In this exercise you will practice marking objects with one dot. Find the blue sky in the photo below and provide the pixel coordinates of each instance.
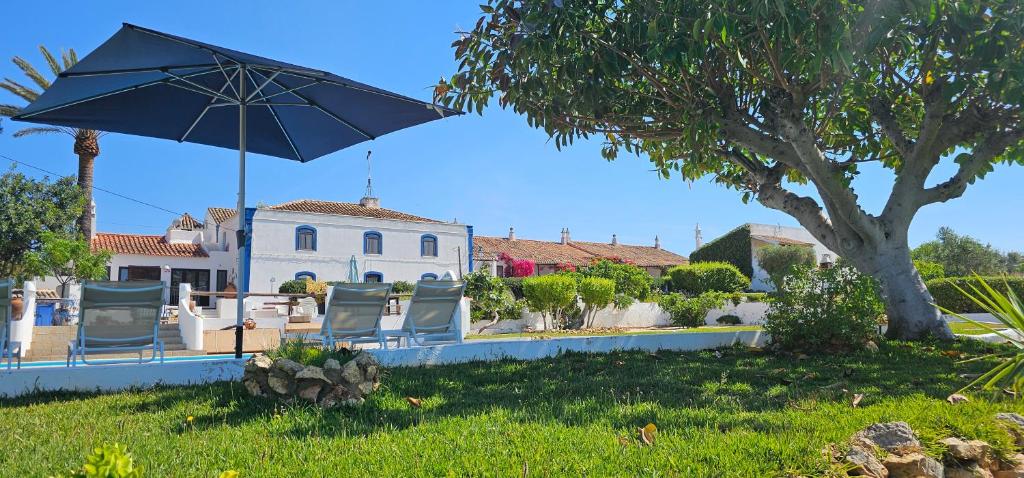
(491, 171)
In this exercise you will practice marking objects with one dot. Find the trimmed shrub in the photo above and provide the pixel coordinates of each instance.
(690, 311)
(492, 300)
(701, 277)
(818, 310)
(729, 319)
(402, 287)
(550, 295)
(629, 279)
(779, 260)
(948, 297)
(292, 287)
(515, 286)
(596, 294)
(930, 270)
(733, 247)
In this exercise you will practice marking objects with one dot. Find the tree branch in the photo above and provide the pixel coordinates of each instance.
(882, 114)
(993, 145)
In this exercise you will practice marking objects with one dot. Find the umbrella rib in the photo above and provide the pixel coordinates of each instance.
(354, 87)
(277, 120)
(209, 92)
(70, 74)
(207, 107)
(328, 113)
(259, 88)
(228, 80)
(104, 95)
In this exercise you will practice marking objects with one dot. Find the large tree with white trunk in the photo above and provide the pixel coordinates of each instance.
(765, 95)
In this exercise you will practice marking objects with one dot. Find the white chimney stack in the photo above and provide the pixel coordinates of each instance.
(565, 236)
(511, 233)
(697, 237)
(657, 242)
(615, 240)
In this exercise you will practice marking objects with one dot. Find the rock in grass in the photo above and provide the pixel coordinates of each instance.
(893, 437)
(865, 463)
(963, 451)
(1015, 424)
(340, 395)
(282, 376)
(350, 373)
(332, 370)
(913, 465)
(970, 471)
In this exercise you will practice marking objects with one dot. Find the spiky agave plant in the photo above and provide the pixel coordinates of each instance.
(1008, 309)
(86, 146)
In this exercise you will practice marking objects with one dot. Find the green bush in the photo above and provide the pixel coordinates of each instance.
(629, 279)
(307, 354)
(779, 260)
(402, 287)
(700, 277)
(729, 319)
(292, 287)
(930, 270)
(690, 311)
(550, 295)
(732, 247)
(949, 298)
(492, 299)
(515, 285)
(817, 310)
(109, 460)
(596, 294)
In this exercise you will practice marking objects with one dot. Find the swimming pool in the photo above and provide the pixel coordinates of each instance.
(124, 361)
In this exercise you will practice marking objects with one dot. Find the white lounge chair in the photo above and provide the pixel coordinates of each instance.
(118, 317)
(8, 348)
(431, 314)
(353, 314)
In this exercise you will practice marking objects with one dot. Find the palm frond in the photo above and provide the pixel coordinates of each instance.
(31, 72)
(54, 66)
(37, 130)
(70, 57)
(22, 91)
(9, 110)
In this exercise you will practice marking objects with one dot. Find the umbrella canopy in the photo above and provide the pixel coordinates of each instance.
(148, 83)
(353, 270)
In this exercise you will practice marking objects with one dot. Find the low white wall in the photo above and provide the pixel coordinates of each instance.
(189, 324)
(637, 315)
(22, 330)
(530, 349)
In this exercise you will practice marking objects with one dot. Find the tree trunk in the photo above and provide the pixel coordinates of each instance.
(85, 165)
(908, 304)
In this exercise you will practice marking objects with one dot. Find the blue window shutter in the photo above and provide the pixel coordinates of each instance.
(366, 242)
(299, 231)
(424, 240)
(428, 276)
(300, 275)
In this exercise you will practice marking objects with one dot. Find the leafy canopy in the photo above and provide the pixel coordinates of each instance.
(779, 260)
(30, 208)
(962, 255)
(67, 259)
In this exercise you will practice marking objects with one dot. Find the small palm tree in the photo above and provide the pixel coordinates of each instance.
(87, 145)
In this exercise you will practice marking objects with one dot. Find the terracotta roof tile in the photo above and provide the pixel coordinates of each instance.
(220, 214)
(576, 252)
(346, 209)
(188, 223)
(144, 245)
(643, 256)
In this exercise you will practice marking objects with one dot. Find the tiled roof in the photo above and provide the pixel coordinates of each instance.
(47, 294)
(576, 252)
(188, 223)
(220, 214)
(781, 240)
(346, 209)
(144, 245)
(643, 256)
(540, 252)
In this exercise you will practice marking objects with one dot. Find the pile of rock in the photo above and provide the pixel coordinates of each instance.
(329, 386)
(892, 450)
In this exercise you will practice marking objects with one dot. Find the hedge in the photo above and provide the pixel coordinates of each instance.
(700, 277)
(733, 247)
(948, 297)
(515, 286)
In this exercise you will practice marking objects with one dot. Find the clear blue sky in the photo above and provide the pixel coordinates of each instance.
(491, 171)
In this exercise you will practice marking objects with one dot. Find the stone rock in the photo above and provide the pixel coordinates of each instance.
(893, 437)
(365, 360)
(913, 465)
(282, 376)
(367, 387)
(1016, 426)
(310, 391)
(1008, 474)
(258, 362)
(340, 395)
(311, 373)
(1014, 468)
(865, 463)
(254, 388)
(350, 373)
(871, 347)
(971, 471)
(960, 450)
(372, 372)
(332, 370)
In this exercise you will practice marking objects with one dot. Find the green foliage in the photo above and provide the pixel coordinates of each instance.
(623, 301)
(596, 293)
(492, 299)
(515, 285)
(402, 287)
(550, 295)
(296, 286)
(779, 260)
(947, 291)
(67, 259)
(929, 270)
(824, 310)
(30, 208)
(690, 311)
(307, 354)
(960, 255)
(699, 277)
(629, 279)
(729, 319)
(733, 247)
(109, 460)
(1008, 309)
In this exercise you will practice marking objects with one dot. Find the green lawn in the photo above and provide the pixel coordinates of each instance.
(968, 328)
(603, 332)
(745, 413)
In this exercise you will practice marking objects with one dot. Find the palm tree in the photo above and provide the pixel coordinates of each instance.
(87, 145)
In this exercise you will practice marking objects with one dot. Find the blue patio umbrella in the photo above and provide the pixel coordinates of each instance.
(148, 83)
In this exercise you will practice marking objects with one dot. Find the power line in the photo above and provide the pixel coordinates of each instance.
(97, 188)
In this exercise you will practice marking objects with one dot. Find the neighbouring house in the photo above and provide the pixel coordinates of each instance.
(739, 247)
(548, 256)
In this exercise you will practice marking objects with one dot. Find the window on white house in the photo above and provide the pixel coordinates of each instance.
(373, 243)
(373, 277)
(305, 238)
(428, 245)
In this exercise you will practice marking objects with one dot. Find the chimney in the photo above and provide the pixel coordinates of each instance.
(511, 233)
(615, 240)
(369, 200)
(697, 237)
(92, 221)
(565, 235)
(657, 242)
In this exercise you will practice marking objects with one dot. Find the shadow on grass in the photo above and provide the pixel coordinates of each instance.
(622, 388)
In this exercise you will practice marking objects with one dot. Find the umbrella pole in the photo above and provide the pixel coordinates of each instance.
(242, 236)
